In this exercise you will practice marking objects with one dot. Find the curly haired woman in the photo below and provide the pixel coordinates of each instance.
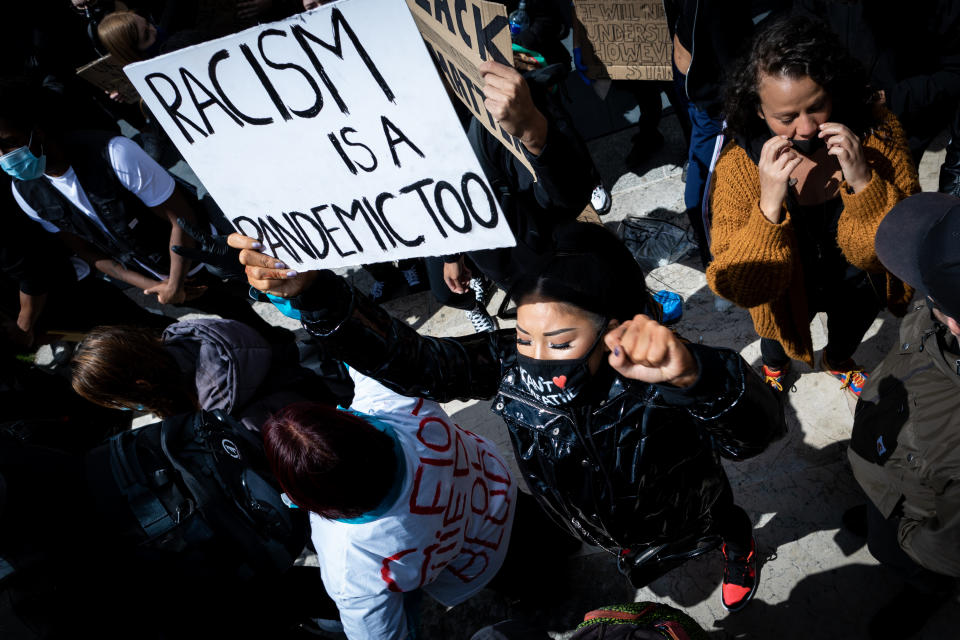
(815, 165)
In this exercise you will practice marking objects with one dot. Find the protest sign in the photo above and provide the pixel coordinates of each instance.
(328, 136)
(108, 75)
(623, 39)
(462, 35)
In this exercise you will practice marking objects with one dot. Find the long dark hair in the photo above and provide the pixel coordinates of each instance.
(110, 361)
(796, 46)
(589, 268)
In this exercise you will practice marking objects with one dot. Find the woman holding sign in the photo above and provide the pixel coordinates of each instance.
(615, 421)
(815, 165)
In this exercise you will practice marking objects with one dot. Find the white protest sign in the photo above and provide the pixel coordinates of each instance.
(328, 136)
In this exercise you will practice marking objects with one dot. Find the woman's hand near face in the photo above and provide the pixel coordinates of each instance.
(777, 162)
(845, 145)
(266, 273)
(643, 349)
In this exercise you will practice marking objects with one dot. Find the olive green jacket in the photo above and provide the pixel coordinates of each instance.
(905, 447)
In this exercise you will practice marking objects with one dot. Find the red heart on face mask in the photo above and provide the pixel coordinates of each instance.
(560, 381)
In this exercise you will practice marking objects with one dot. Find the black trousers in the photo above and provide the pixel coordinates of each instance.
(81, 306)
(851, 306)
(882, 541)
(535, 553)
(730, 521)
(465, 301)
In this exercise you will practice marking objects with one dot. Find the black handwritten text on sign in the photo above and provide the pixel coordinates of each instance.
(460, 35)
(328, 137)
(623, 39)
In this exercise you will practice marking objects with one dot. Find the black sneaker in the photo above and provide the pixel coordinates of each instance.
(415, 280)
(740, 576)
(385, 291)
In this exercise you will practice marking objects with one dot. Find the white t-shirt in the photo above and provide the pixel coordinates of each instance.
(138, 173)
(447, 531)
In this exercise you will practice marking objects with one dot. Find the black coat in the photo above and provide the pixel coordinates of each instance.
(533, 208)
(636, 466)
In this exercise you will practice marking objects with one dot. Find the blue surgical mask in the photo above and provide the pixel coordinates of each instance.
(21, 164)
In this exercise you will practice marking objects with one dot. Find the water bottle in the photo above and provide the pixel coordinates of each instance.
(519, 20)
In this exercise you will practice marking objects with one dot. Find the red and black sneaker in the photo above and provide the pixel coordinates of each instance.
(740, 576)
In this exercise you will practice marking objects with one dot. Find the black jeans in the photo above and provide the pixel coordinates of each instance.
(882, 541)
(466, 301)
(851, 307)
(83, 305)
(731, 522)
(537, 549)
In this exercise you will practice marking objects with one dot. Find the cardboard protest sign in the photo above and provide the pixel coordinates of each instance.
(328, 136)
(108, 75)
(623, 39)
(460, 36)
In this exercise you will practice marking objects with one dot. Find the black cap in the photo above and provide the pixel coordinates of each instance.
(919, 242)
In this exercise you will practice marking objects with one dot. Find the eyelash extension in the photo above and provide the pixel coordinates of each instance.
(564, 345)
(523, 342)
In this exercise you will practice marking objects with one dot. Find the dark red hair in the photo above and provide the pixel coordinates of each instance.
(329, 461)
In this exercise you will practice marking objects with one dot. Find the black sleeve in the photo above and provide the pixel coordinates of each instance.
(367, 338)
(565, 172)
(743, 414)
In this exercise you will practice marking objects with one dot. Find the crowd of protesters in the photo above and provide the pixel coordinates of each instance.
(804, 124)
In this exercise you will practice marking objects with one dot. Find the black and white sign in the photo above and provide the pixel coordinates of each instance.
(328, 136)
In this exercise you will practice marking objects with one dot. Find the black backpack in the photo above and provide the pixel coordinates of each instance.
(194, 496)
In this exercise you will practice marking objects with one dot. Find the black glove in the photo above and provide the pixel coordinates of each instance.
(221, 259)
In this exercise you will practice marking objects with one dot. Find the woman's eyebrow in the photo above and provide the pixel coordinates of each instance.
(522, 330)
(558, 331)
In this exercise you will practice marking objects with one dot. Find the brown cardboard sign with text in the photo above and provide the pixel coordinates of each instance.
(623, 39)
(460, 36)
(109, 76)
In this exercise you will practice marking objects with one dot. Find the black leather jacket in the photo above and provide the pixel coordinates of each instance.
(636, 466)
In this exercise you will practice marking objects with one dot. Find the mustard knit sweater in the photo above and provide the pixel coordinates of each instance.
(757, 264)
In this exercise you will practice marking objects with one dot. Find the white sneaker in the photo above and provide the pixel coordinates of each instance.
(481, 320)
(600, 199)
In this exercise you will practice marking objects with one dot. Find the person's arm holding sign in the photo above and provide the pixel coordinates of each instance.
(361, 334)
(560, 160)
(507, 98)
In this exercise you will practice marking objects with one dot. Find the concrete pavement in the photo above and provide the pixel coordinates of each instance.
(816, 581)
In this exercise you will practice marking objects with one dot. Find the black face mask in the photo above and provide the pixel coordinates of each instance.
(557, 382)
(805, 147)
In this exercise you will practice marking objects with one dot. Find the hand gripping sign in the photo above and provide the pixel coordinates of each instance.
(460, 36)
(327, 136)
